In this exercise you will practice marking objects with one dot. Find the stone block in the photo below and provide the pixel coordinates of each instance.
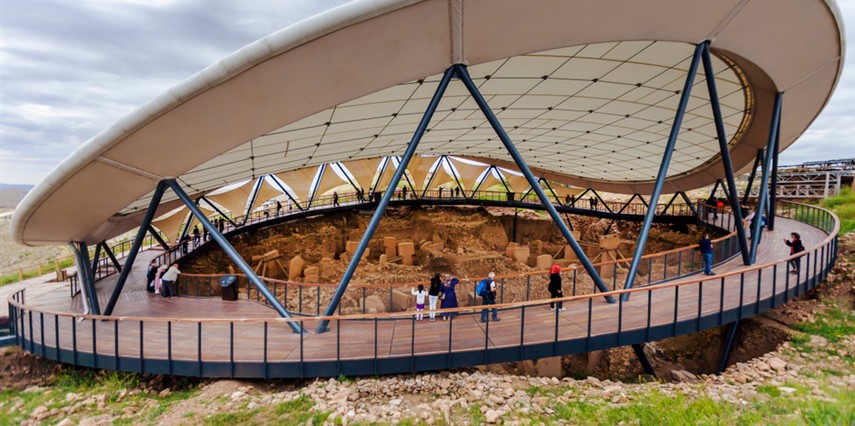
(372, 305)
(311, 274)
(509, 251)
(406, 249)
(521, 254)
(402, 301)
(610, 242)
(384, 258)
(351, 246)
(391, 245)
(544, 261)
(569, 254)
(407, 260)
(549, 367)
(295, 267)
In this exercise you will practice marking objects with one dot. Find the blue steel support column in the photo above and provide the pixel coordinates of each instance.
(752, 176)
(87, 278)
(217, 209)
(255, 190)
(157, 237)
(232, 253)
(725, 156)
(764, 181)
(663, 169)
(387, 196)
(773, 192)
(96, 257)
(112, 256)
(463, 74)
(135, 247)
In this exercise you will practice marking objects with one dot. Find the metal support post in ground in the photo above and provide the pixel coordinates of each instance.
(463, 74)
(387, 196)
(663, 169)
(764, 181)
(728, 346)
(232, 253)
(725, 156)
(135, 247)
(642, 358)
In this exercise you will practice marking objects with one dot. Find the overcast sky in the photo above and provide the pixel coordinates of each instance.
(69, 69)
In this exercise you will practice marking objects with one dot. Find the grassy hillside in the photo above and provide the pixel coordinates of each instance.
(843, 205)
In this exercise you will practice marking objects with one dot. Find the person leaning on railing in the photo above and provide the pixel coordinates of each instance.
(796, 246)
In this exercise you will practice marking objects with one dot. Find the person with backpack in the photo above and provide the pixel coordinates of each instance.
(433, 295)
(796, 246)
(555, 287)
(487, 290)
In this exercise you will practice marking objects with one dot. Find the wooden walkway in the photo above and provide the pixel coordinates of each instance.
(152, 328)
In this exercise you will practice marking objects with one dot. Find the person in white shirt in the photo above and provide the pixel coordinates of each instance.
(169, 278)
(420, 301)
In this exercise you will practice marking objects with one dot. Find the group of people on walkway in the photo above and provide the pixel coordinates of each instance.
(440, 291)
(487, 289)
(160, 279)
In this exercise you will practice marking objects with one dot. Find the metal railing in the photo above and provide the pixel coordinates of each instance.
(266, 347)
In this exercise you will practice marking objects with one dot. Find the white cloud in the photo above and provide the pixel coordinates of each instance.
(70, 69)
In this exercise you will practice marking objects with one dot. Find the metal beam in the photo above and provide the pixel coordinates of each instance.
(288, 194)
(432, 175)
(255, 190)
(87, 279)
(157, 237)
(728, 346)
(341, 169)
(232, 253)
(481, 182)
(95, 258)
(663, 168)
(387, 196)
(313, 193)
(752, 176)
(642, 358)
(773, 192)
(724, 149)
(688, 202)
(386, 162)
(463, 74)
(135, 247)
(217, 209)
(112, 256)
(670, 202)
(454, 173)
(764, 181)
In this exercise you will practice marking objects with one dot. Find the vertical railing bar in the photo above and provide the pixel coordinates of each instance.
(42, 332)
(199, 345)
(721, 302)
(94, 346)
(231, 349)
(375, 344)
(73, 339)
(169, 346)
(700, 303)
(116, 342)
(142, 350)
(590, 312)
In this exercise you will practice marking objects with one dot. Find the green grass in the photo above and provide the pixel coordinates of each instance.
(833, 324)
(843, 205)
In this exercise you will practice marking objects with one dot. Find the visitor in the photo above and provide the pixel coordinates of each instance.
(169, 278)
(433, 295)
(593, 201)
(567, 200)
(488, 295)
(420, 301)
(555, 287)
(403, 194)
(706, 248)
(185, 241)
(158, 278)
(335, 198)
(449, 296)
(150, 274)
(796, 247)
(196, 236)
(456, 192)
(440, 192)
(278, 208)
(204, 234)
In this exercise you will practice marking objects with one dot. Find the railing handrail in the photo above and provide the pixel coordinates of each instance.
(406, 314)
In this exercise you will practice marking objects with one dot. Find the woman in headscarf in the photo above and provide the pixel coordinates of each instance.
(449, 296)
(555, 286)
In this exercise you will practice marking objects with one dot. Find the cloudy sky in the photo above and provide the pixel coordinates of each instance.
(69, 69)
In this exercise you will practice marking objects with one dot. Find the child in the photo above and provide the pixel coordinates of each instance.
(420, 301)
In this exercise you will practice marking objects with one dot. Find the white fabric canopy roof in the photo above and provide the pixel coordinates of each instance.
(586, 89)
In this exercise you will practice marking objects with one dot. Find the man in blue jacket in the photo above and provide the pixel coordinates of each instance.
(706, 248)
